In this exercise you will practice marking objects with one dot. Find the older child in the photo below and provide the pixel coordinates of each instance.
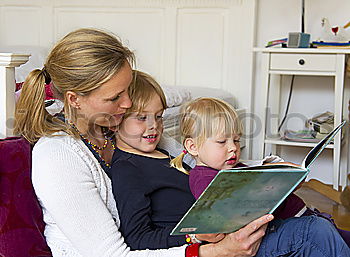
(211, 133)
(142, 179)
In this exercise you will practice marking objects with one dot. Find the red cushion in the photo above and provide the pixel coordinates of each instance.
(21, 219)
(48, 91)
(19, 85)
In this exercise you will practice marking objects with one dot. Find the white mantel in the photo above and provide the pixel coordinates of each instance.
(8, 62)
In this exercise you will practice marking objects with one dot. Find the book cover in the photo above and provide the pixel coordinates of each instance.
(238, 196)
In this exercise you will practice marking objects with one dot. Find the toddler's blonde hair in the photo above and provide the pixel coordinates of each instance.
(203, 118)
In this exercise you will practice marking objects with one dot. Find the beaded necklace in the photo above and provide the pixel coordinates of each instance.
(95, 147)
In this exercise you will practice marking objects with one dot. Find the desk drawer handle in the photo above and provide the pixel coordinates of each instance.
(301, 61)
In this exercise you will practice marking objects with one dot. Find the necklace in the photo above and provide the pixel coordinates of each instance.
(95, 147)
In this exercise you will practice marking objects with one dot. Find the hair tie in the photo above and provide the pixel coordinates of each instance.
(46, 75)
(184, 151)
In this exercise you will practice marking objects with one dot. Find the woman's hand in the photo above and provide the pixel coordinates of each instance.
(212, 238)
(242, 243)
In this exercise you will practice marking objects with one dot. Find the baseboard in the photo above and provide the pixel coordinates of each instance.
(324, 189)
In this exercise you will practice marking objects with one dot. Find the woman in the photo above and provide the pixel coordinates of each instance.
(91, 72)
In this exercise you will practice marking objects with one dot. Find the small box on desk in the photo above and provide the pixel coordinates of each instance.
(298, 40)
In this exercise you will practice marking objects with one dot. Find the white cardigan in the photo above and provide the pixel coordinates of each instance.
(78, 204)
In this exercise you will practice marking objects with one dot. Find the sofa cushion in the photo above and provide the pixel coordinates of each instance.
(21, 219)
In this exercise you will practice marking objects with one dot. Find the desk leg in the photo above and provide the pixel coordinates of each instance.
(264, 95)
(338, 175)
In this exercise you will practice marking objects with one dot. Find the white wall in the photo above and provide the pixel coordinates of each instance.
(179, 42)
(311, 95)
(194, 42)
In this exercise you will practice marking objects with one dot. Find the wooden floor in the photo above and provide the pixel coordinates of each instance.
(315, 199)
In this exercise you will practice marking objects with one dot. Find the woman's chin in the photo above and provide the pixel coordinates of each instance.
(112, 123)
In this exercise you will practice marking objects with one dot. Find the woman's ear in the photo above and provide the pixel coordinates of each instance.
(191, 147)
(73, 99)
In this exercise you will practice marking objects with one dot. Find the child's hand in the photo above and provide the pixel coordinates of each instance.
(287, 163)
(211, 238)
(271, 159)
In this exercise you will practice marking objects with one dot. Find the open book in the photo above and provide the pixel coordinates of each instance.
(238, 196)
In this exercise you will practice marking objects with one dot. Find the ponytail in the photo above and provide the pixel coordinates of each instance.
(32, 121)
(177, 162)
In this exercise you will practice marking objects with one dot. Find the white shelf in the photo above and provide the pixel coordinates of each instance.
(279, 141)
(277, 62)
(302, 73)
(302, 50)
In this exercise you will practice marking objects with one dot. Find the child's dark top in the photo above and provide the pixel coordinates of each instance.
(201, 176)
(151, 198)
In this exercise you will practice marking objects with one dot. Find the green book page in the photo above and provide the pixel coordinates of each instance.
(237, 197)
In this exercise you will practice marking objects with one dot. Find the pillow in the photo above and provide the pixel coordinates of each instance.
(176, 96)
(174, 148)
(21, 219)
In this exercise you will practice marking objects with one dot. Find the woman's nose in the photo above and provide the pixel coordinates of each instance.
(126, 102)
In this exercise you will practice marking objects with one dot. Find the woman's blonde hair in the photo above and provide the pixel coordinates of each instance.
(80, 62)
(141, 91)
(203, 118)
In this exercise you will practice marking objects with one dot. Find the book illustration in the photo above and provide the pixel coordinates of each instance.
(229, 204)
(238, 196)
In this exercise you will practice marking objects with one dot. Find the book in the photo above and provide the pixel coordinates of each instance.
(277, 42)
(304, 136)
(329, 44)
(238, 196)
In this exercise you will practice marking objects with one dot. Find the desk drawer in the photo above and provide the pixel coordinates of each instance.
(303, 62)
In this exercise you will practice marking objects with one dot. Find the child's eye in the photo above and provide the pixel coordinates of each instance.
(236, 141)
(221, 141)
(159, 117)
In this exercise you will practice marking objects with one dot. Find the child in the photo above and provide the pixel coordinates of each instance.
(211, 132)
(142, 179)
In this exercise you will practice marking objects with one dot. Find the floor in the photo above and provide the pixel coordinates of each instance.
(315, 199)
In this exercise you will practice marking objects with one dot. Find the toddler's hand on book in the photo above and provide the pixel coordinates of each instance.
(212, 238)
(284, 163)
(272, 159)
